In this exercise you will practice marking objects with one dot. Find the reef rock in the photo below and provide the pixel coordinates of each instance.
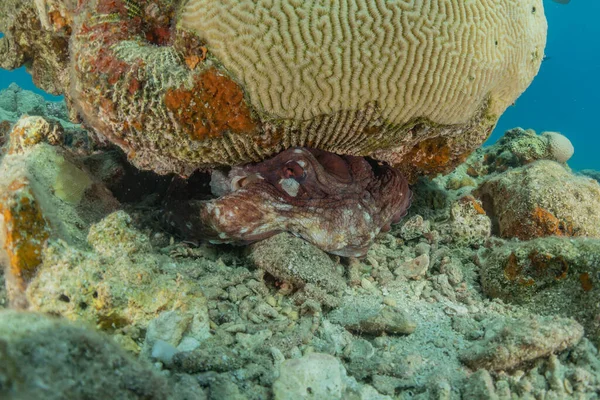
(516, 148)
(590, 173)
(48, 358)
(44, 193)
(314, 376)
(120, 287)
(548, 275)
(542, 199)
(293, 261)
(510, 342)
(16, 102)
(368, 315)
(468, 225)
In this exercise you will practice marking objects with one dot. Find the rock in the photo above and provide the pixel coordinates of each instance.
(369, 316)
(415, 268)
(21, 102)
(509, 342)
(518, 147)
(45, 193)
(29, 131)
(359, 350)
(223, 388)
(459, 182)
(414, 227)
(3, 294)
(8, 98)
(119, 292)
(16, 102)
(367, 392)
(590, 173)
(114, 236)
(469, 225)
(4, 135)
(42, 358)
(30, 103)
(542, 199)
(453, 270)
(210, 356)
(548, 275)
(163, 351)
(479, 386)
(332, 338)
(293, 260)
(314, 376)
(172, 328)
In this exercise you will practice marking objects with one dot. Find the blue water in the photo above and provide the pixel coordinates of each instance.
(23, 79)
(564, 97)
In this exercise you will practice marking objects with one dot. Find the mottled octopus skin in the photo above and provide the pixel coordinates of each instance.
(338, 203)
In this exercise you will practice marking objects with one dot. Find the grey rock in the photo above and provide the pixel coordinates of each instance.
(314, 376)
(479, 386)
(510, 342)
(42, 357)
(414, 227)
(415, 268)
(291, 259)
(369, 315)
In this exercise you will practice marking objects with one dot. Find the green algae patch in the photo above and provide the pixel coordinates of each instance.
(71, 183)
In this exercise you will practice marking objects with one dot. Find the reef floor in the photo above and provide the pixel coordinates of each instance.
(487, 289)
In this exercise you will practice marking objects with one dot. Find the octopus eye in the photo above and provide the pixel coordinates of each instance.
(293, 170)
(241, 181)
(238, 182)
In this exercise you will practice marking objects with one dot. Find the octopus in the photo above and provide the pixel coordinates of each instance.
(338, 203)
(298, 140)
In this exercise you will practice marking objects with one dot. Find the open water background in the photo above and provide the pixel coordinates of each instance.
(564, 97)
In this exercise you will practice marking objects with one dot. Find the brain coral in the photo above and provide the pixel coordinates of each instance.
(561, 148)
(440, 60)
(417, 83)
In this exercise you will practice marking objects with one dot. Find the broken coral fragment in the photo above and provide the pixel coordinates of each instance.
(554, 275)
